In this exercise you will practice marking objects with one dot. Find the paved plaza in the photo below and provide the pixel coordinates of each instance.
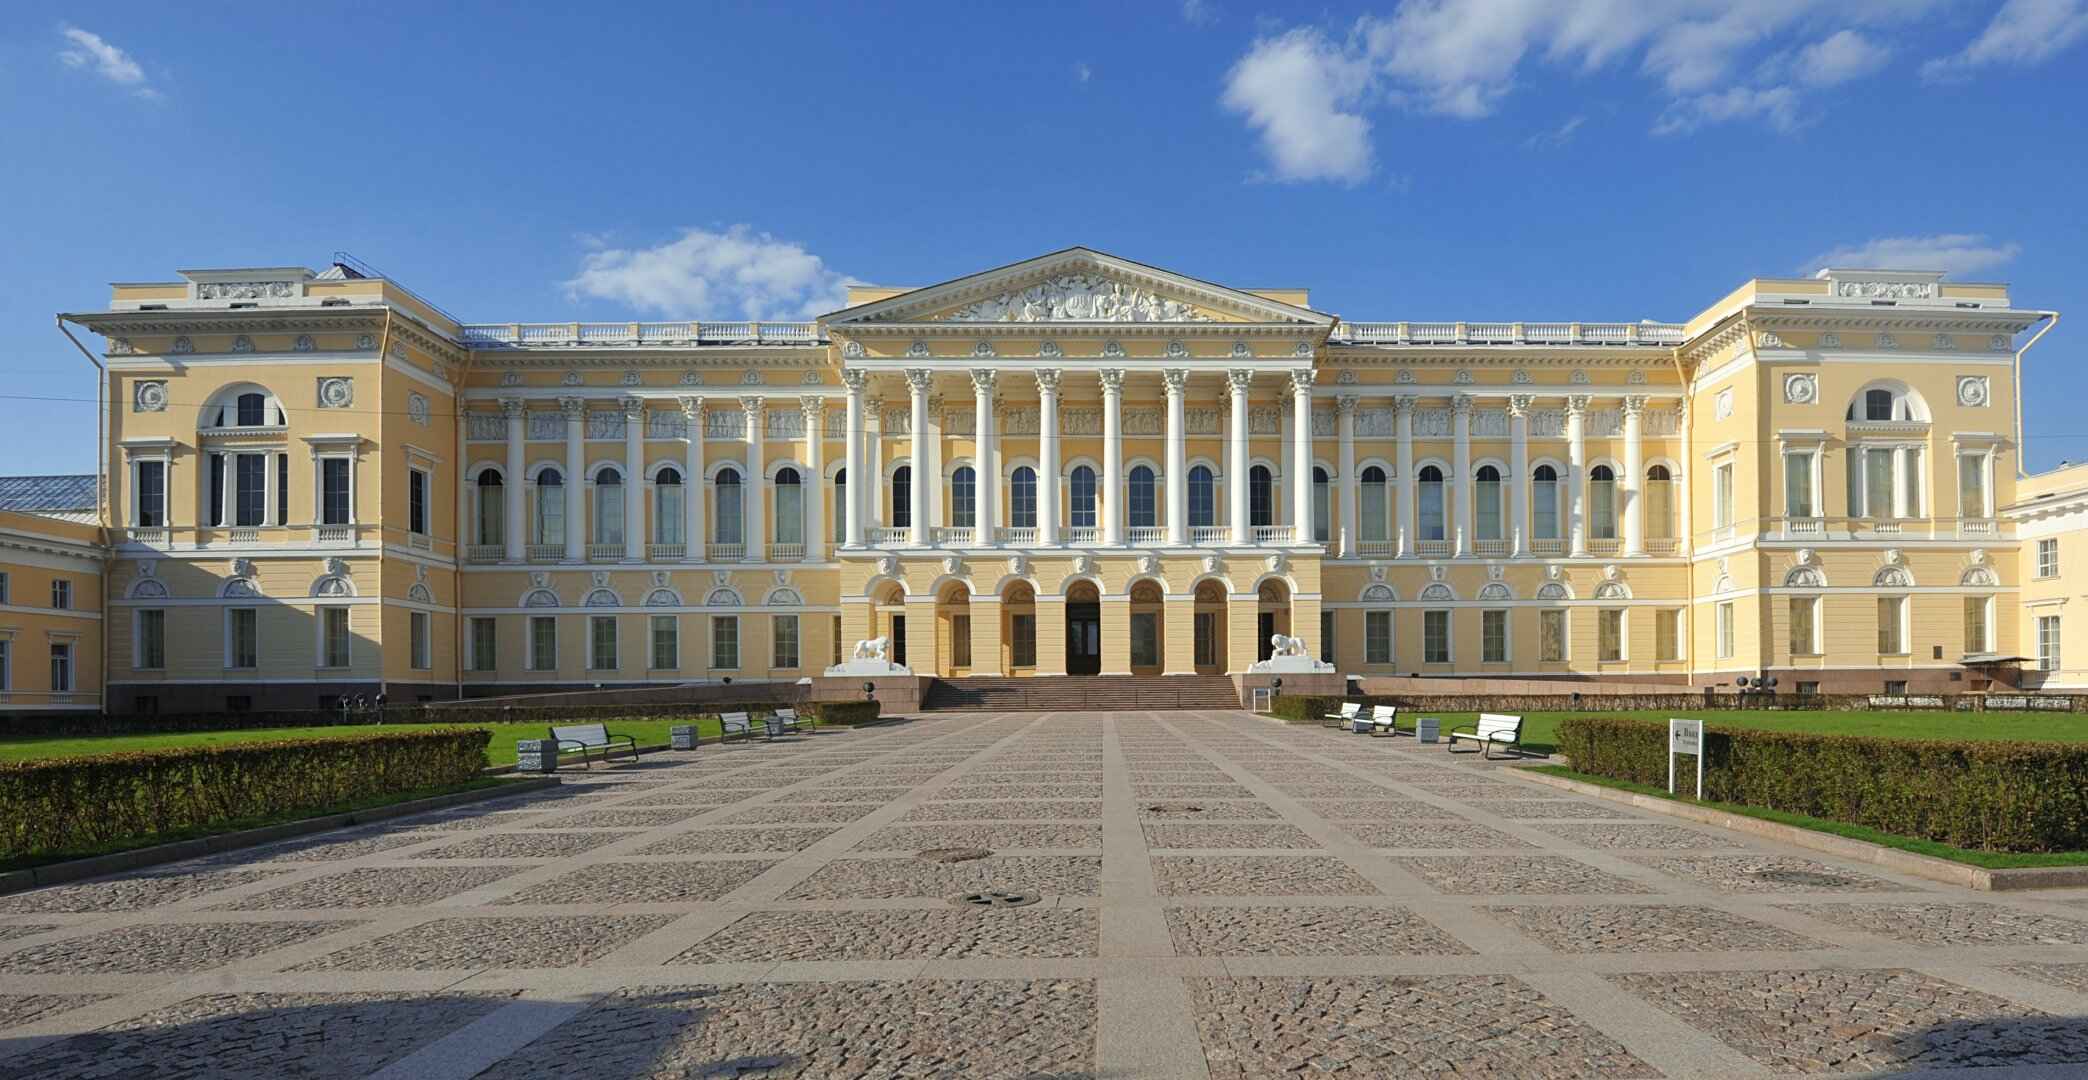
(1057, 895)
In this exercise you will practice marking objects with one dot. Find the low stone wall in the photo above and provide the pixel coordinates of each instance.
(676, 694)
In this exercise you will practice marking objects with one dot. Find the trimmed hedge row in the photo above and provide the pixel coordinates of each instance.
(1987, 796)
(83, 804)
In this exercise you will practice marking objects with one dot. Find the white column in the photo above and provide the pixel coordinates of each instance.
(516, 491)
(987, 514)
(874, 493)
(635, 488)
(1048, 453)
(1301, 436)
(694, 486)
(1239, 379)
(1461, 484)
(858, 481)
(1177, 384)
(1351, 530)
(935, 462)
(575, 410)
(1630, 483)
(1576, 472)
(1113, 456)
(756, 512)
(814, 493)
(1403, 408)
(1519, 471)
(918, 381)
(1293, 473)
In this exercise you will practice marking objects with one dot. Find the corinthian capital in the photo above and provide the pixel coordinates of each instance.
(1177, 380)
(1403, 404)
(853, 379)
(1461, 404)
(1239, 379)
(632, 408)
(814, 409)
(1519, 404)
(1346, 404)
(1577, 404)
(1112, 380)
(753, 405)
(691, 407)
(574, 408)
(1047, 380)
(919, 380)
(984, 380)
(1303, 378)
(511, 406)
(1634, 404)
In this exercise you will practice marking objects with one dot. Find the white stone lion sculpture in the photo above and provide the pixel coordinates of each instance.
(873, 649)
(1286, 645)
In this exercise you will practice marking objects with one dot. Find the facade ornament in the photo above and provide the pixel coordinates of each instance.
(149, 395)
(600, 578)
(1148, 564)
(1519, 404)
(365, 341)
(1112, 379)
(1577, 404)
(853, 350)
(1377, 571)
(1463, 377)
(752, 377)
(1461, 404)
(659, 579)
(1972, 391)
(888, 566)
(242, 344)
(540, 580)
(574, 408)
(417, 408)
(1552, 570)
(510, 378)
(1767, 339)
(1887, 341)
(814, 410)
(570, 378)
(1303, 378)
(982, 348)
(1177, 380)
(1801, 388)
(1978, 556)
(632, 378)
(984, 380)
(1886, 290)
(633, 409)
(1806, 556)
(1084, 564)
(1578, 378)
(1998, 343)
(1302, 349)
(782, 577)
(336, 392)
(1018, 565)
(147, 567)
(1521, 377)
(1210, 564)
(121, 346)
(692, 410)
(721, 578)
(811, 377)
(917, 350)
(1050, 350)
(1347, 377)
(1176, 350)
(1113, 349)
(1610, 572)
(1346, 404)
(1636, 378)
(1047, 380)
(303, 343)
(183, 346)
(1944, 343)
(756, 409)
(1722, 405)
(854, 378)
(1634, 405)
(242, 568)
(1405, 377)
(1404, 403)
(1276, 563)
(1242, 351)
(1077, 298)
(1495, 571)
(1437, 571)
(953, 565)
(920, 379)
(1830, 340)
(1892, 556)
(1239, 379)
(336, 566)
(692, 378)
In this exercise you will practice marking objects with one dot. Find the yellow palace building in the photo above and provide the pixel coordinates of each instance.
(322, 484)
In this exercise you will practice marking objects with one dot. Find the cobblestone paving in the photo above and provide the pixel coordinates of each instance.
(1257, 875)
(738, 840)
(2071, 976)
(522, 845)
(132, 893)
(1227, 836)
(1950, 924)
(1765, 874)
(513, 942)
(1021, 791)
(1630, 928)
(153, 947)
(1642, 837)
(950, 933)
(867, 879)
(838, 813)
(19, 930)
(1483, 875)
(1375, 808)
(1549, 809)
(1020, 810)
(1315, 931)
(643, 883)
(377, 886)
(1430, 833)
(1192, 810)
(616, 819)
(994, 837)
(341, 846)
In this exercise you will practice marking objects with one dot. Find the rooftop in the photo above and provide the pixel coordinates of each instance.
(48, 494)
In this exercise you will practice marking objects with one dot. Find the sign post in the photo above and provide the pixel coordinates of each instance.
(1686, 737)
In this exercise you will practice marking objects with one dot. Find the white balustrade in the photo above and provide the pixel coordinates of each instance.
(484, 553)
(1377, 549)
(333, 534)
(542, 335)
(952, 534)
(666, 552)
(419, 541)
(1081, 534)
(1146, 534)
(1208, 535)
(605, 552)
(1663, 546)
(786, 552)
(725, 552)
(246, 534)
(1977, 527)
(1265, 535)
(1805, 528)
(146, 536)
(541, 553)
(1604, 546)
(1490, 549)
(1551, 547)
(1019, 535)
(1433, 549)
(886, 535)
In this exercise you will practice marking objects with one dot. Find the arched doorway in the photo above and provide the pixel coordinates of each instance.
(1083, 629)
(1272, 616)
(1019, 629)
(1210, 628)
(953, 632)
(1148, 627)
(888, 620)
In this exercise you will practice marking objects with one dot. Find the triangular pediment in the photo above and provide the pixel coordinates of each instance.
(1077, 286)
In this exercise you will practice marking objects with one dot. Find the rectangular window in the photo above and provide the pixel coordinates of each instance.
(1977, 637)
(1722, 496)
(422, 647)
(282, 489)
(1145, 639)
(1896, 687)
(152, 494)
(725, 642)
(1798, 485)
(417, 502)
(1728, 630)
(250, 487)
(960, 641)
(1972, 486)
(2048, 558)
(1435, 637)
(836, 641)
(3, 588)
(1808, 689)
(242, 638)
(61, 669)
(1910, 483)
(1326, 652)
(1892, 638)
(1667, 634)
(5, 683)
(1493, 637)
(152, 640)
(1377, 637)
(1877, 483)
(1609, 634)
(61, 595)
(1551, 635)
(1805, 629)
(783, 633)
(333, 622)
(333, 491)
(601, 643)
(2048, 642)
(1022, 652)
(217, 489)
(666, 643)
(543, 643)
(485, 655)
(1206, 639)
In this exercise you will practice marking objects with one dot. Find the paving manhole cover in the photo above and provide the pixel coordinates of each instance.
(995, 898)
(952, 854)
(1171, 808)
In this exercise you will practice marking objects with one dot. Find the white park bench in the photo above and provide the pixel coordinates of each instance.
(790, 721)
(592, 740)
(733, 723)
(1493, 729)
(1382, 720)
(1350, 710)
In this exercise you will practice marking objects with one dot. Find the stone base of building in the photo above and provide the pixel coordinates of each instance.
(237, 697)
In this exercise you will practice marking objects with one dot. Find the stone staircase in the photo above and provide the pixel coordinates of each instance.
(1083, 693)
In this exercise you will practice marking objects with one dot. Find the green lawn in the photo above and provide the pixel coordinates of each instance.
(501, 751)
(1540, 730)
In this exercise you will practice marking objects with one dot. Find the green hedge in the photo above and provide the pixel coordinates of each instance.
(1298, 709)
(80, 804)
(842, 712)
(1988, 796)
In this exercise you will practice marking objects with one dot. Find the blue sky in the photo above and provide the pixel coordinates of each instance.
(1511, 159)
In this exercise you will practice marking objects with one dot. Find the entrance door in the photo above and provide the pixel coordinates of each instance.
(898, 647)
(1083, 639)
(1265, 628)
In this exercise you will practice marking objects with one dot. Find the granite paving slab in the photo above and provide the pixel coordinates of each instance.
(1313, 931)
(130, 893)
(157, 947)
(1644, 837)
(524, 845)
(1764, 874)
(1637, 928)
(1486, 875)
(19, 1009)
(1036, 932)
(1227, 836)
(1257, 875)
(1016, 810)
(739, 840)
(1426, 832)
(891, 878)
(995, 837)
(529, 941)
(1550, 809)
(1950, 924)
(376, 886)
(643, 883)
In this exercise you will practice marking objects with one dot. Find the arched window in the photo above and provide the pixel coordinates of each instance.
(492, 508)
(249, 406)
(1322, 525)
(550, 509)
(1433, 524)
(608, 507)
(1141, 500)
(1082, 486)
(1373, 526)
(252, 410)
(668, 507)
(1660, 503)
(1889, 400)
(1203, 497)
(1486, 503)
(1261, 496)
(1544, 503)
(1022, 499)
(1877, 405)
(964, 497)
(728, 523)
(790, 506)
(841, 506)
(902, 497)
(1602, 503)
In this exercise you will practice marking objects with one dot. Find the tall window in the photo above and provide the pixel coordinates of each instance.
(5, 681)
(152, 494)
(1602, 503)
(725, 642)
(334, 491)
(1022, 644)
(1722, 496)
(1203, 497)
(492, 508)
(1667, 634)
(1435, 637)
(216, 514)
(964, 497)
(666, 643)
(1877, 405)
(783, 637)
(1660, 503)
(1551, 635)
(1143, 515)
(601, 642)
(1805, 626)
(1979, 636)
(1876, 472)
(333, 622)
(61, 594)
(251, 410)
(152, 640)
(61, 669)
(2048, 642)
(282, 489)
(1493, 637)
(485, 653)
(1798, 485)
(608, 507)
(1371, 496)
(1022, 498)
(543, 643)
(790, 507)
(1145, 639)
(728, 522)
(2048, 557)
(1609, 635)
(1892, 631)
(1972, 486)
(669, 511)
(550, 508)
(1322, 522)
(841, 506)
(1082, 488)
(242, 638)
(1728, 630)
(1261, 496)
(417, 502)
(1486, 508)
(1434, 525)
(902, 497)
(1544, 503)
(250, 488)
(1377, 637)
(420, 644)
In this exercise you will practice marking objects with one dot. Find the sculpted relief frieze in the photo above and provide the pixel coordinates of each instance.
(1081, 421)
(1078, 298)
(1490, 422)
(1264, 420)
(1142, 422)
(1374, 423)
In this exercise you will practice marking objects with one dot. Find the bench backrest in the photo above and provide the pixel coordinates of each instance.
(584, 734)
(1384, 712)
(786, 713)
(1351, 708)
(1491, 724)
(734, 717)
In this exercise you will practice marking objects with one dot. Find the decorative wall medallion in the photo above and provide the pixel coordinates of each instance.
(242, 568)
(917, 350)
(183, 345)
(1210, 564)
(1495, 571)
(1892, 556)
(1018, 565)
(1521, 377)
(398, 351)
(1552, 571)
(1887, 341)
(1767, 339)
(811, 378)
(1636, 378)
(853, 350)
(304, 343)
(336, 392)
(1463, 377)
(1437, 571)
(1113, 348)
(1078, 298)
(1377, 572)
(242, 343)
(1050, 350)
(149, 396)
(782, 577)
(722, 578)
(570, 378)
(1084, 565)
(888, 566)
(1972, 391)
(1578, 378)
(1978, 556)
(953, 565)
(1242, 351)
(631, 378)
(1830, 340)
(1303, 348)
(120, 346)
(600, 578)
(1610, 572)
(510, 378)
(1805, 556)
(1998, 343)
(751, 377)
(365, 341)
(1148, 564)
(1944, 343)
(692, 378)
(539, 579)
(417, 408)
(1347, 377)
(1275, 563)
(1801, 389)
(1722, 406)
(1177, 350)
(1405, 377)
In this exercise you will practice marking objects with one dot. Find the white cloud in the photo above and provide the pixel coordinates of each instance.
(1197, 13)
(88, 51)
(1558, 136)
(703, 274)
(1303, 95)
(1954, 253)
(1776, 106)
(2023, 33)
(1082, 73)
(1838, 58)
